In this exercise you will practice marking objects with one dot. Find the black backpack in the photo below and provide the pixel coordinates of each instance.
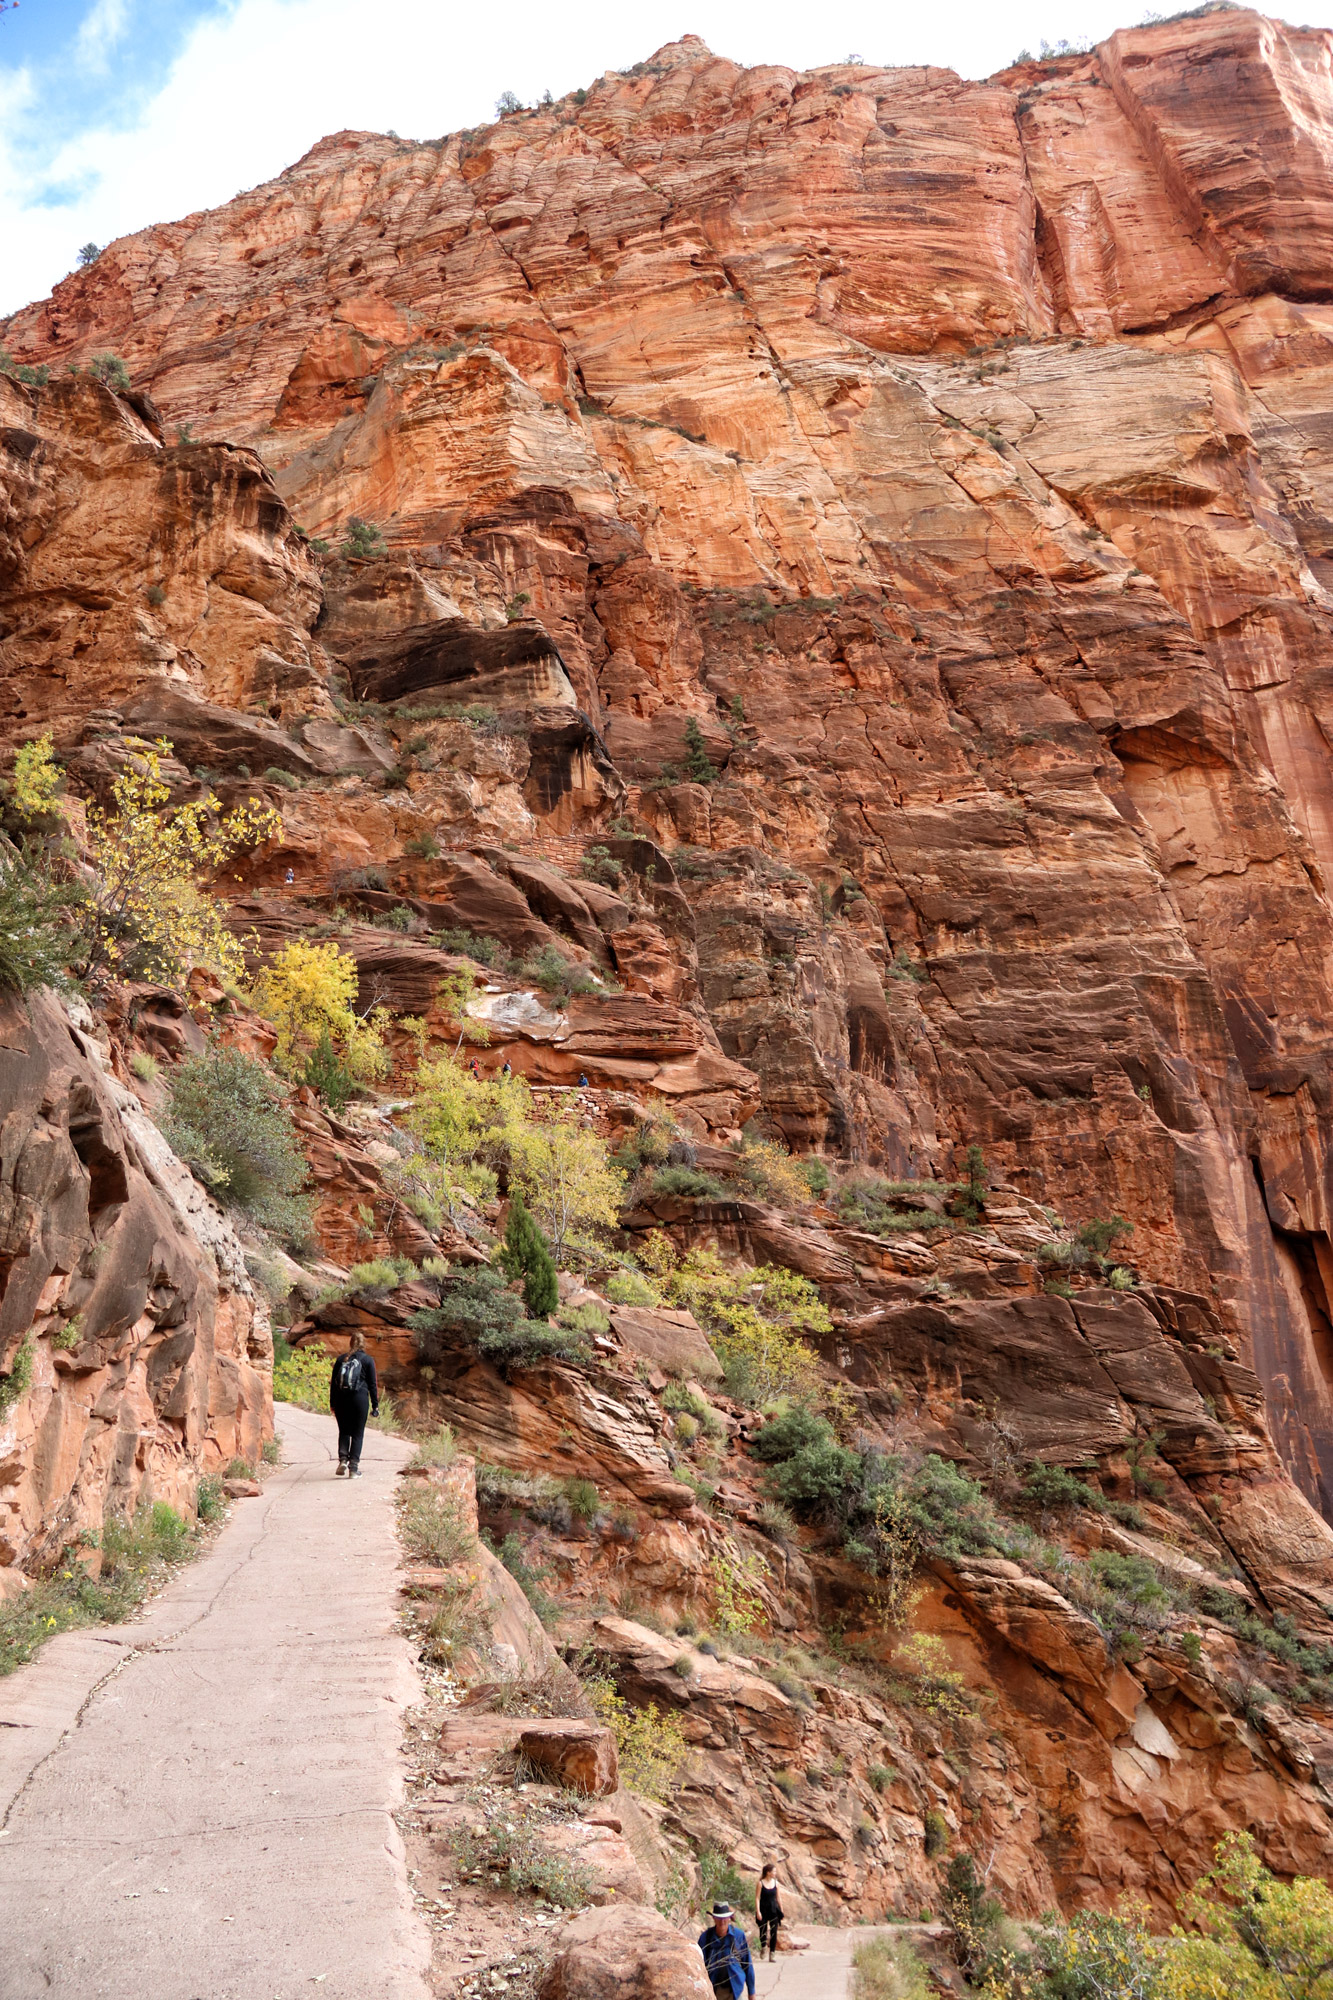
(349, 1374)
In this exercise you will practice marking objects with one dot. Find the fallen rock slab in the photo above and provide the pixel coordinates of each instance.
(579, 1755)
(609, 1954)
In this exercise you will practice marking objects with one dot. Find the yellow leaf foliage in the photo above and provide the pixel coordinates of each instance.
(36, 779)
(148, 912)
(754, 1317)
(307, 991)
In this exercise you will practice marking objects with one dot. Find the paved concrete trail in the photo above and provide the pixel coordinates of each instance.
(824, 1972)
(198, 1806)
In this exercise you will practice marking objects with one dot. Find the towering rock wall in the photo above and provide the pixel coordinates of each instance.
(953, 457)
(970, 440)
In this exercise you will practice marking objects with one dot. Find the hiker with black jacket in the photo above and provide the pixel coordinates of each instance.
(354, 1391)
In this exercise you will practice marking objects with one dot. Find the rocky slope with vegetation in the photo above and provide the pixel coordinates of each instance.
(670, 755)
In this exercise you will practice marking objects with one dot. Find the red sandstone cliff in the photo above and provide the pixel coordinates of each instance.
(956, 455)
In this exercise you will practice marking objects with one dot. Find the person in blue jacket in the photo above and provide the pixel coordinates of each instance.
(727, 1958)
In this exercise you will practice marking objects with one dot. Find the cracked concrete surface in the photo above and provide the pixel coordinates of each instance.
(198, 1806)
(822, 1972)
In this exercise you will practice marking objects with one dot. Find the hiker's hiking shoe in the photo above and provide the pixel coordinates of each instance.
(356, 1472)
(341, 1473)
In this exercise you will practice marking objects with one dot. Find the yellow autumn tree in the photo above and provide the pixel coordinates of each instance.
(35, 779)
(148, 913)
(567, 1176)
(308, 991)
(755, 1318)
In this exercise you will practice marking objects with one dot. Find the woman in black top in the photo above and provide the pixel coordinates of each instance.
(354, 1391)
(768, 1909)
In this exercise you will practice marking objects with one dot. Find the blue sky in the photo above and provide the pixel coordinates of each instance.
(118, 113)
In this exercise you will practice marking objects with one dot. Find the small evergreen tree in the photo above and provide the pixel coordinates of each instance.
(109, 368)
(89, 253)
(362, 539)
(526, 1256)
(697, 761)
(327, 1074)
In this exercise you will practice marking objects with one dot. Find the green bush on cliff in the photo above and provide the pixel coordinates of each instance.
(37, 925)
(525, 1256)
(227, 1120)
(477, 1309)
(301, 1375)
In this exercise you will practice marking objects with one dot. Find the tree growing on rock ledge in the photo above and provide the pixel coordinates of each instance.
(147, 913)
(308, 992)
(526, 1256)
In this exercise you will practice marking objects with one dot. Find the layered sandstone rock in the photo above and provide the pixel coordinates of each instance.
(857, 582)
(149, 1355)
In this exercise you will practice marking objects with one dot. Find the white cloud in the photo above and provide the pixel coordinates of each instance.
(101, 28)
(255, 87)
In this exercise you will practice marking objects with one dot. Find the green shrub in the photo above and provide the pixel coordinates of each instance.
(530, 1578)
(509, 1844)
(478, 1308)
(554, 973)
(70, 1335)
(1052, 1487)
(936, 1832)
(815, 1175)
(599, 865)
(301, 1375)
(362, 539)
(328, 1075)
(209, 1500)
(629, 1288)
(1131, 1579)
(380, 1275)
(880, 1776)
(38, 926)
(109, 368)
(433, 1529)
(466, 944)
(227, 1120)
(587, 1318)
(585, 1501)
(698, 765)
(436, 1451)
(811, 1468)
(973, 1919)
(287, 779)
(526, 1256)
(888, 1969)
(136, 1555)
(17, 1381)
(722, 1881)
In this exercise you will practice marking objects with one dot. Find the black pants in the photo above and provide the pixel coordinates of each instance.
(351, 1412)
(768, 1931)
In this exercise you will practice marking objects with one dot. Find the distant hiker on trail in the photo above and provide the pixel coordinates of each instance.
(354, 1391)
(768, 1910)
(727, 1958)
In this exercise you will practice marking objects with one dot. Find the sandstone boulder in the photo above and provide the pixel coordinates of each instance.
(674, 1340)
(579, 1755)
(610, 1954)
